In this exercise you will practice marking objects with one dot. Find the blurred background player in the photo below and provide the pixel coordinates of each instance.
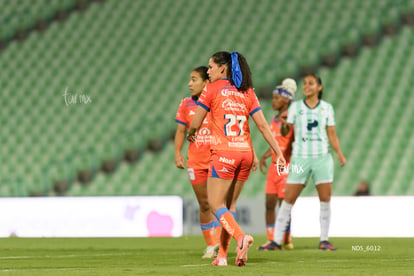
(314, 129)
(283, 95)
(362, 189)
(198, 158)
(230, 100)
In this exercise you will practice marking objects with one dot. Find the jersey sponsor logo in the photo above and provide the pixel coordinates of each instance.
(204, 140)
(192, 112)
(227, 161)
(230, 105)
(305, 139)
(227, 92)
(312, 125)
(238, 144)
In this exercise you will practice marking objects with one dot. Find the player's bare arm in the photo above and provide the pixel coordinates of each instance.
(334, 141)
(179, 143)
(255, 163)
(263, 165)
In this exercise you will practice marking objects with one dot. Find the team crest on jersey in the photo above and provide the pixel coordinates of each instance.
(204, 131)
(312, 124)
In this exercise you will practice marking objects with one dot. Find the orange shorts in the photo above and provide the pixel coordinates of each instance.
(197, 176)
(231, 164)
(275, 183)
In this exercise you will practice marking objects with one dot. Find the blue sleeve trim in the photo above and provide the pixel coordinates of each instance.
(255, 110)
(180, 122)
(203, 106)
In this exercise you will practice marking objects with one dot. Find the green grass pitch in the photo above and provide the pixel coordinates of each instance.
(182, 256)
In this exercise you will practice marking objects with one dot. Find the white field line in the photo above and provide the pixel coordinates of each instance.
(62, 256)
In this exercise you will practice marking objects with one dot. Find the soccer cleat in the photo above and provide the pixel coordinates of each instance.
(210, 252)
(243, 245)
(326, 246)
(269, 246)
(220, 261)
(288, 246)
(287, 241)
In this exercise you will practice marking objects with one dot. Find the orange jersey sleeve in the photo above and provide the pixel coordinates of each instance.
(198, 154)
(285, 142)
(230, 111)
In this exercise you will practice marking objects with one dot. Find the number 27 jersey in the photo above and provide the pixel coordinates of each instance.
(229, 114)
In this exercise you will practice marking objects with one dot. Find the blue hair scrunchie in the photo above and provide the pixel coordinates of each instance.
(236, 73)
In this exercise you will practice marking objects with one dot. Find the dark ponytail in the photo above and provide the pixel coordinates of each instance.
(222, 58)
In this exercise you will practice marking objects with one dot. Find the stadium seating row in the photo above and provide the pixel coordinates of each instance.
(79, 94)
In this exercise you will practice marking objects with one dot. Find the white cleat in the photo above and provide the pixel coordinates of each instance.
(220, 261)
(210, 252)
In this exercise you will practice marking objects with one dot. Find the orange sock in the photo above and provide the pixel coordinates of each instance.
(228, 223)
(208, 233)
(270, 231)
(225, 239)
(217, 231)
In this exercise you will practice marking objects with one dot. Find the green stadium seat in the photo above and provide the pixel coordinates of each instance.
(123, 60)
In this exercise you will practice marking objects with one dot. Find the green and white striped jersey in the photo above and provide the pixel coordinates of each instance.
(311, 139)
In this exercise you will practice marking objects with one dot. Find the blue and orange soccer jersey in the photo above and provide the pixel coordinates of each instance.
(198, 152)
(230, 111)
(285, 142)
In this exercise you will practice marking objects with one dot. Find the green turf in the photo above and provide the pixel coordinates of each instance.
(182, 256)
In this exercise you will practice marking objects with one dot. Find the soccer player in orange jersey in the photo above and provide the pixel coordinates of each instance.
(230, 100)
(198, 158)
(283, 95)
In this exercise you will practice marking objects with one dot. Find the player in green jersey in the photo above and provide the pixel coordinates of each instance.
(314, 127)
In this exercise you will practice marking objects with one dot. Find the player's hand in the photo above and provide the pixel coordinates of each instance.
(192, 135)
(281, 163)
(192, 138)
(342, 159)
(179, 161)
(281, 168)
(255, 164)
(263, 165)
